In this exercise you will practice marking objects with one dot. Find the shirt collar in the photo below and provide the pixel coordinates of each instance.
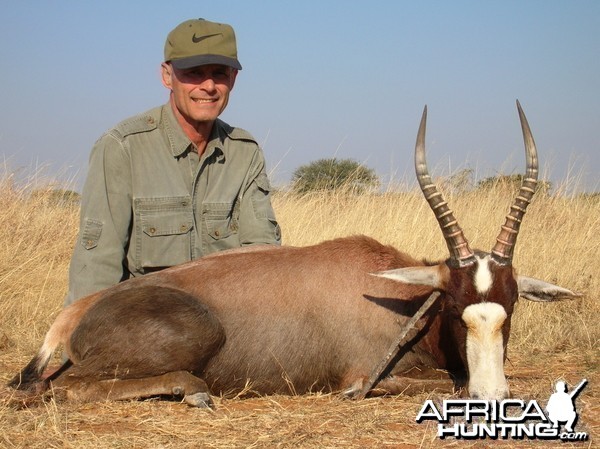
(178, 140)
(216, 143)
(181, 143)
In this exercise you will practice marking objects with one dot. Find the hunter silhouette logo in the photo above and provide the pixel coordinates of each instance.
(508, 419)
(561, 405)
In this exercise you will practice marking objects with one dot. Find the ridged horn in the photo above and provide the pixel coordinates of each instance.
(505, 242)
(460, 253)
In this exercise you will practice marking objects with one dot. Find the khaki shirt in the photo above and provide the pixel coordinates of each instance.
(150, 202)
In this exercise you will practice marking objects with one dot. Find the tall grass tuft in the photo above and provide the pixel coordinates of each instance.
(37, 235)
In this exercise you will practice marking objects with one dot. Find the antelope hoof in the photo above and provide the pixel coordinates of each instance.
(200, 400)
(354, 391)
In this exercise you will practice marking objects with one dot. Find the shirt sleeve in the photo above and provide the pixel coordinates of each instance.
(257, 224)
(99, 256)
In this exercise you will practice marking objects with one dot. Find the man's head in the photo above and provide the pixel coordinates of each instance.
(199, 42)
(200, 69)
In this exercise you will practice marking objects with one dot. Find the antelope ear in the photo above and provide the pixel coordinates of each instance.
(434, 276)
(537, 290)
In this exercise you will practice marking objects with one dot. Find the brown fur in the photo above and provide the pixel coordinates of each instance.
(289, 320)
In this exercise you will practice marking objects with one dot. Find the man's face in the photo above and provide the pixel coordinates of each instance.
(201, 93)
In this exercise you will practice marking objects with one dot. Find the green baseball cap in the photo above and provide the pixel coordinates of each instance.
(199, 42)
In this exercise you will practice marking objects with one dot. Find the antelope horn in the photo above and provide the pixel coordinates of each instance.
(505, 242)
(460, 253)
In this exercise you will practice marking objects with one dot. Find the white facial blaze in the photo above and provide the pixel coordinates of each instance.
(483, 275)
(485, 350)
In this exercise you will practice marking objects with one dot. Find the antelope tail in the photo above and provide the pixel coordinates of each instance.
(59, 334)
(31, 375)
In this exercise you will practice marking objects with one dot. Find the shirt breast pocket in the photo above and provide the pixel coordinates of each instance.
(221, 226)
(163, 228)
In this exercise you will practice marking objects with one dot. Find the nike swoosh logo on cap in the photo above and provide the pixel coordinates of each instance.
(195, 39)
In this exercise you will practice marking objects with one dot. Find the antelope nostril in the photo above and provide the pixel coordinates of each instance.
(493, 395)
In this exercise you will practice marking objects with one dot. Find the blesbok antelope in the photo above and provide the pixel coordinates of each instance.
(299, 319)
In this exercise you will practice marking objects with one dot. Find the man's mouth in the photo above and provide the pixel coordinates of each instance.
(204, 100)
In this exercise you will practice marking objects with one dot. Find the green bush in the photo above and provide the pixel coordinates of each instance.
(334, 174)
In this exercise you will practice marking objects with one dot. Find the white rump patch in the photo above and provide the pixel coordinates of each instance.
(485, 350)
(483, 275)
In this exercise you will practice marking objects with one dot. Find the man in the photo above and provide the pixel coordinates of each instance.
(174, 183)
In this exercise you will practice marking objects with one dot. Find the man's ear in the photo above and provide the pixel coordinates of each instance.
(234, 73)
(166, 74)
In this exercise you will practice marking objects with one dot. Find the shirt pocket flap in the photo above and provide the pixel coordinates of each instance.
(217, 219)
(173, 223)
(164, 216)
(90, 236)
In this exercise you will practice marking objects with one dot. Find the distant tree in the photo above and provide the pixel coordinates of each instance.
(460, 182)
(592, 197)
(56, 197)
(511, 183)
(334, 174)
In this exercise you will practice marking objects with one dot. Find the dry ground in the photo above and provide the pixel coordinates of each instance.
(310, 421)
(559, 242)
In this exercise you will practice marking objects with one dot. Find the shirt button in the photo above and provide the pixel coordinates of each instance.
(183, 228)
(152, 230)
(217, 233)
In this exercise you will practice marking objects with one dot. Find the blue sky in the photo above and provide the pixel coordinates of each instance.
(344, 79)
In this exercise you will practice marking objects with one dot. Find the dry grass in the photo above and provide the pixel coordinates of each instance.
(559, 242)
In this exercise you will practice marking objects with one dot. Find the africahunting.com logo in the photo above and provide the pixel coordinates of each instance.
(508, 419)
